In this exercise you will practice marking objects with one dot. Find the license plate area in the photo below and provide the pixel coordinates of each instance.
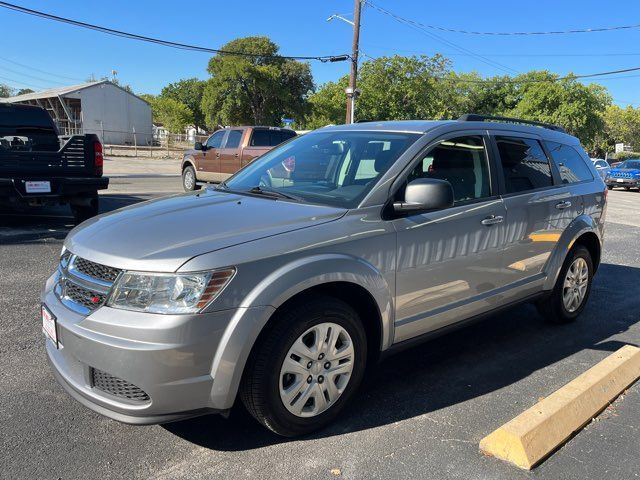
(37, 186)
(620, 180)
(49, 325)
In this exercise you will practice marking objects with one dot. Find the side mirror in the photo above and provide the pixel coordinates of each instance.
(198, 146)
(425, 194)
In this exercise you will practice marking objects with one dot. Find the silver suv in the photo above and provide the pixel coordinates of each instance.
(282, 284)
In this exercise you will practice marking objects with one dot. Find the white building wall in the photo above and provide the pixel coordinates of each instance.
(115, 113)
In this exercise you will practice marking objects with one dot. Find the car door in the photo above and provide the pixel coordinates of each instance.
(209, 166)
(230, 161)
(539, 208)
(449, 261)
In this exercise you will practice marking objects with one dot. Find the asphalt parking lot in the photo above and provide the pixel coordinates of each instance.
(421, 413)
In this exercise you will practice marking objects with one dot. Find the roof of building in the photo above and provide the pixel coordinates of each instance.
(61, 91)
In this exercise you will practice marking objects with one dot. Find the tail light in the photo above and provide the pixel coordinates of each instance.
(99, 158)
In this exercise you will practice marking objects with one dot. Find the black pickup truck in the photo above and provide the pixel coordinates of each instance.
(38, 167)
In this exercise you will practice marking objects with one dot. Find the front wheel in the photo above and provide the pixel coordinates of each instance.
(571, 292)
(189, 179)
(306, 366)
(610, 187)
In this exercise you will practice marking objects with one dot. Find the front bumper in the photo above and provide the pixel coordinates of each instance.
(169, 357)
(623, 182)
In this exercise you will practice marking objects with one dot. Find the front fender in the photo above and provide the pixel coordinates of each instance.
(282, 284)
(579, 226)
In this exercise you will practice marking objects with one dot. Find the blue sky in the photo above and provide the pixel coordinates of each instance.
(59, 54)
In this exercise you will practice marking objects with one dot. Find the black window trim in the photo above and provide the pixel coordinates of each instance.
(556, 181)
(401, 178)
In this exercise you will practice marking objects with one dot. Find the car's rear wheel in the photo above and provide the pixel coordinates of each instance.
(189, 179)
(305, 367)
(571, 292)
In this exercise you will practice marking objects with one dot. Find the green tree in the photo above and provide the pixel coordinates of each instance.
(255, 90)
(577, 107)
(173, 115)
(622, 125)
(24, 91)
(5, 91)
(188, 92)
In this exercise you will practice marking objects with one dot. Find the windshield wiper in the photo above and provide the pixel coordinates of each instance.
(268, 192)
(222, 186)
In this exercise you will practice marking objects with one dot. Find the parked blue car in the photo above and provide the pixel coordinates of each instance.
(626, 175)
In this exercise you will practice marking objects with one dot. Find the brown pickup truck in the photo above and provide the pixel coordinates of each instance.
(227, 151)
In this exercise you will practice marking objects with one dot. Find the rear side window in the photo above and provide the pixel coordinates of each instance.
(570, 163)
(270, 138)
(260, 138)
(524, 164)
(233, 139)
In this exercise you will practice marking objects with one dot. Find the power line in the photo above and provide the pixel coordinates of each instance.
(41, 71)
(423, 29)
(30, 85)
(550, 32)
(40, 79)
(517, 55)
(166, 43)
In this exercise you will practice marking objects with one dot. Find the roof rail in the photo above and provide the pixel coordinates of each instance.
(473, 117)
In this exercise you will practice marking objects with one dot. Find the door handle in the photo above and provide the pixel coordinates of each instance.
(217, 155)
(492, 220)
(563, 205)
(235, 155)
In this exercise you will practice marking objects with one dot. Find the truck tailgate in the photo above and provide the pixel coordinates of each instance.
(75, 158)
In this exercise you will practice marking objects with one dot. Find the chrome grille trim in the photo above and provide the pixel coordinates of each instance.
(79, 283)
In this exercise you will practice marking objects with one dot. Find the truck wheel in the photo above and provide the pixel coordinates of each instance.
(189, 179)
(571, 292)
(305, 367)
(85, 212)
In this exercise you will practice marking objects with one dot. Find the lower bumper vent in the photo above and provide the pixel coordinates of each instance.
(117, 387)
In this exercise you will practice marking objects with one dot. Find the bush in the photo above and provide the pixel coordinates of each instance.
(626, 155)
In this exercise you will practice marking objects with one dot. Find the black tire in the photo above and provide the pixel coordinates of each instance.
(189, 179)
(610, 187)
(86, 211)
(627, 188)
(552, 307)
(259, 390)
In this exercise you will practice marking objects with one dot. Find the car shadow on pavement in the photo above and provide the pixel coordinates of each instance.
(19, 226)
(462, 365)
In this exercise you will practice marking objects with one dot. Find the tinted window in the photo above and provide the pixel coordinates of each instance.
(570, 163)
(630, 164)
(233, 139)
(260, 138)
(215, 140)
(602, 164)
(524, 164)
(461, 161)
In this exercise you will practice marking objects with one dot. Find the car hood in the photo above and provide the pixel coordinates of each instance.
(632, 171)
(160, 235)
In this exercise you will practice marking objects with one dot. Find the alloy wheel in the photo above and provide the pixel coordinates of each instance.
(575, 285)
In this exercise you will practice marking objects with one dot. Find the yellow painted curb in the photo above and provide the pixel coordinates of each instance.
(534, 434)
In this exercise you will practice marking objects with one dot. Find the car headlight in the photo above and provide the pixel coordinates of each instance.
(170, 293)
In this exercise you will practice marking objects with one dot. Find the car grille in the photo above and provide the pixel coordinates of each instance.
(621, 175)
(82, 296)
(95, 270)
(83, 285)
(117, 387)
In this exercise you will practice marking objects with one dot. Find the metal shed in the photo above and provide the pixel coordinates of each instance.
(117, 116)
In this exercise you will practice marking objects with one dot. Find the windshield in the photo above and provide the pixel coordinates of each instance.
(630, 164)
(335, 168)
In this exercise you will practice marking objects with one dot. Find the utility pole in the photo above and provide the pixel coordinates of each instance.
(352, 92)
